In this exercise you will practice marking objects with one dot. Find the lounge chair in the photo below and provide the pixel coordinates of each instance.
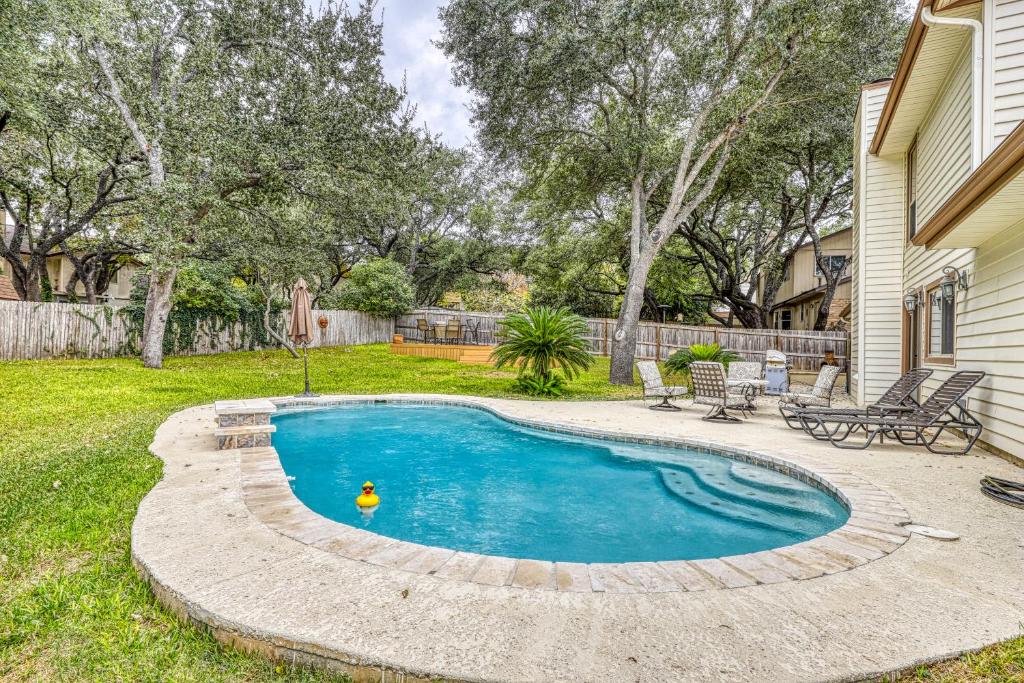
(654, 387)
(910, 425)
(711, 388)
(820, 395)
(899, 395)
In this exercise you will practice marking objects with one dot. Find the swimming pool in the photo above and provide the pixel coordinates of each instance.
(465, 479)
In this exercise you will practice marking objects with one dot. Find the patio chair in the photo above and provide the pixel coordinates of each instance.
(424, 328)
(899, 395)
(655, 388)
(710, 387)
(472, 330)
(819, 396)
(453, 332)
(941, 412)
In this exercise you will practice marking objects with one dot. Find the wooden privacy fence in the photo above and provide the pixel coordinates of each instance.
(804, 349)
(32, 330)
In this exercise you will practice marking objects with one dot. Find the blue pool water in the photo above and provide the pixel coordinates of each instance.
(462, 478)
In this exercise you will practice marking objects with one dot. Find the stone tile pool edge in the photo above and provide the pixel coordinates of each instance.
(873, 530)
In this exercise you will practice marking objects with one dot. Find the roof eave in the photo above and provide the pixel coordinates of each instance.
(1004, 164)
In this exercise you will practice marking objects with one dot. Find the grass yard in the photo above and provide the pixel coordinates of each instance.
(74, 466)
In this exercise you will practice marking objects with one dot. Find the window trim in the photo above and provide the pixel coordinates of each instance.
(839, 273)
(909, 182)
(927, 356)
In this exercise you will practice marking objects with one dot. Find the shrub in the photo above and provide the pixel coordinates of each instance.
(539, 340)
(380, 287)
(680, 360)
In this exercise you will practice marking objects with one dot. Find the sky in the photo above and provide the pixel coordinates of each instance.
(409, 27)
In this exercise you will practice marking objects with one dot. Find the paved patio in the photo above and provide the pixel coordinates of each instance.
(212, 559)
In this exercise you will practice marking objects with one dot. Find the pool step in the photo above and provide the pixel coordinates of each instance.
(791, 501)
(683, 484)
(764, 478)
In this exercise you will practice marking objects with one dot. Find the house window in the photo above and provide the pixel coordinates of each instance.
(836, 265)
(911, 181)
(940, 324)
(786, 320)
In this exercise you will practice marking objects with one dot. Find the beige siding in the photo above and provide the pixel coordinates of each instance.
(880, 263)
(944, 163)
(855, 326)
(1008, 67)
(990, 337)
(944, 141)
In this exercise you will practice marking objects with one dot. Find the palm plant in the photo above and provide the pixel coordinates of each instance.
(538, 341)
(680, 360)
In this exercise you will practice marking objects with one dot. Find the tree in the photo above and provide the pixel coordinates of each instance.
(56, 181)
(225, 99)
(380, 287)
(789, 181)
(647, 99)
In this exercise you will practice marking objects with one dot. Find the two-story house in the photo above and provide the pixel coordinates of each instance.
(800, 295)
(938, 234)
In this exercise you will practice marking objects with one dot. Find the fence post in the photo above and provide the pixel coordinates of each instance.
(657, 342)
(606, 353)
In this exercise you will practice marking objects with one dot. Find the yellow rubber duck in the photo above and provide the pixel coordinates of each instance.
(368, 498)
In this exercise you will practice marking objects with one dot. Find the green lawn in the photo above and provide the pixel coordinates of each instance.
(74, 466)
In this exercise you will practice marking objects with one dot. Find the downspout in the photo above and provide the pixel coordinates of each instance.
(977, 75)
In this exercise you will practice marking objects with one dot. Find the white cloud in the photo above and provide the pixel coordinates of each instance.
(409, 28)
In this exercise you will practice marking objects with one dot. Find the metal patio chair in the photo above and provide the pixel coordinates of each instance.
(899, 395)
(654, 387)
(710, 388)
(819, 396)
(943, 411)
(424, 328)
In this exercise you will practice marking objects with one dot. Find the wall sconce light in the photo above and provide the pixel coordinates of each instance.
(911, 300)
(955, 279)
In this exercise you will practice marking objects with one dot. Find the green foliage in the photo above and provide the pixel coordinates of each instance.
(379, 287)
(539, 340)
(206, 298)
(680, 361)
(535, 385)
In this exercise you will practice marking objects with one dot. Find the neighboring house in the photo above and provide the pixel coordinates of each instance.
(798, 298)
(60, 270)
(938, 236)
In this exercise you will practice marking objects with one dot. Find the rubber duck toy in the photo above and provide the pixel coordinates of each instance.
(368, 499)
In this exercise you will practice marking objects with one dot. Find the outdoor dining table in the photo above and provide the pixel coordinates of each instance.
(757, 384)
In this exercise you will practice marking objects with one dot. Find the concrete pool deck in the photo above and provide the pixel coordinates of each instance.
(199, 540)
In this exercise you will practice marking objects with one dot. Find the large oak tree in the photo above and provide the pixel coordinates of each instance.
(646, 98)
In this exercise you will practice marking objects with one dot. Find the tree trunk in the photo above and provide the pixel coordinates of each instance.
(624, 347)
(158, 309)
(821, 321)
(272, 333)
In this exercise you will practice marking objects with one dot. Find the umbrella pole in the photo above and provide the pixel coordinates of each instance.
(305, 367)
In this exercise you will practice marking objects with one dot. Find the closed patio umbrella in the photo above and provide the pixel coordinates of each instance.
(301, 329)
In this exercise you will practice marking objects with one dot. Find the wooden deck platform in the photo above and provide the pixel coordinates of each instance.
(463, 353)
